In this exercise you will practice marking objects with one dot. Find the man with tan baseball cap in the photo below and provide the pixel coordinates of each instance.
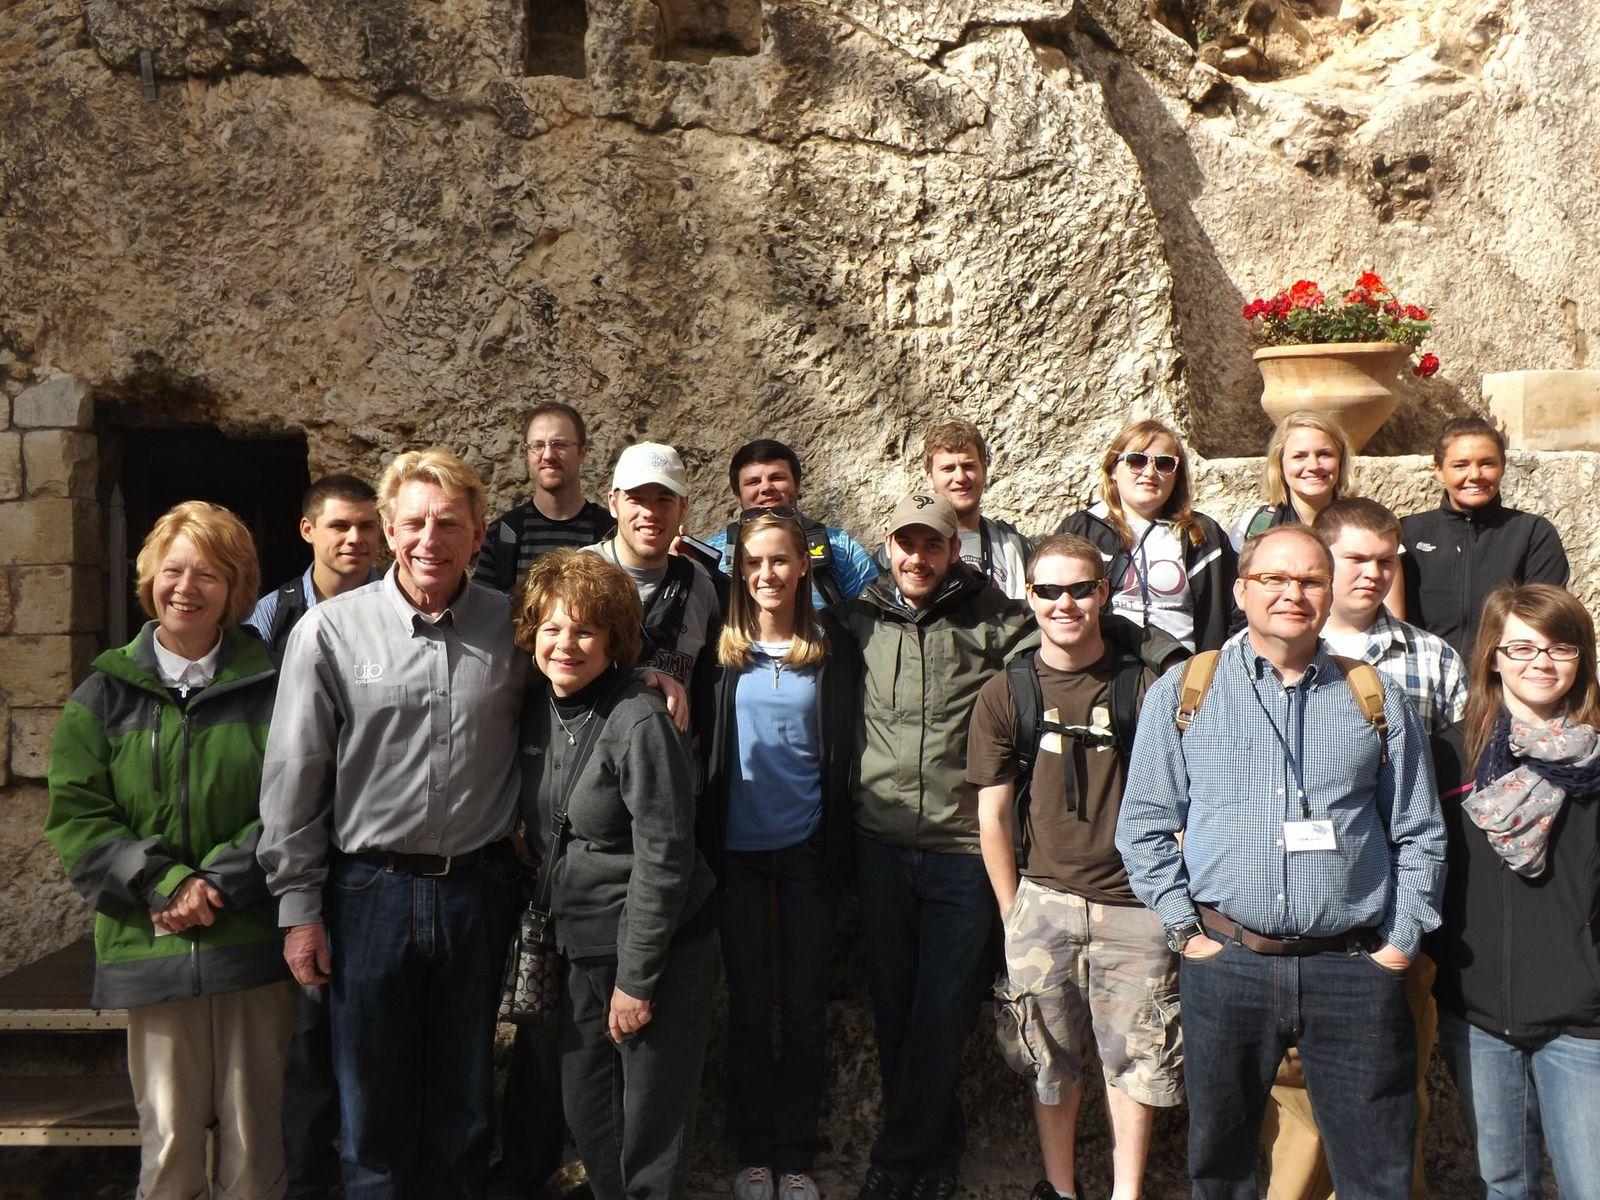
(931, 631)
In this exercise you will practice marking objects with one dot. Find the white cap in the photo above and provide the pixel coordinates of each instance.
(650, 462)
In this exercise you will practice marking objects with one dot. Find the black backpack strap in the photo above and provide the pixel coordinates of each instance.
(823, 577)
(508, 548)
(1028, 700)
(1126, 674)
(291, 607)
(663, 620)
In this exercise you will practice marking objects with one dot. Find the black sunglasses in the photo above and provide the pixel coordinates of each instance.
(783, 512)
(1081, 590)
(1138, 460)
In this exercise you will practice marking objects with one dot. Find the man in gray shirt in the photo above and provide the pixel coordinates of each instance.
(389, 789)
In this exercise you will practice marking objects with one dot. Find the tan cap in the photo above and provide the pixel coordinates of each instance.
(924, 508)
(650, 462)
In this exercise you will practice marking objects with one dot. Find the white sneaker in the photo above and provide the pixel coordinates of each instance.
(798, 1186)
(753, 1183)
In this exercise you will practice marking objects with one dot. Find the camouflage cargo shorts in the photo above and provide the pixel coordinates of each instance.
(1082, 976)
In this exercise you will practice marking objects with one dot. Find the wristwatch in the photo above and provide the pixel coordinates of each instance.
(1178, 937)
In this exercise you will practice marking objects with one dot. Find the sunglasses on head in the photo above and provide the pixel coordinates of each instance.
(783, 512)
(1081, 590)
(1138, 460)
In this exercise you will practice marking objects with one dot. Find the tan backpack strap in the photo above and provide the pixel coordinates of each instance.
(1367, 687)
(1193, 685)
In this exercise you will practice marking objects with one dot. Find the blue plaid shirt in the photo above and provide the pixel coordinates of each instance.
(1229, 783)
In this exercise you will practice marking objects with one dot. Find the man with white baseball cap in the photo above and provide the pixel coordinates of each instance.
(650, 499)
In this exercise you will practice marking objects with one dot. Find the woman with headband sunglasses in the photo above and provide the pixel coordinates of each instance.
(1169, 566)
(778, 799)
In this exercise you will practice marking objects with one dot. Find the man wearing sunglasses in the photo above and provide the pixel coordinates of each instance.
(1088, 973)
(1311, 864)
(765, 474)
(554, 443)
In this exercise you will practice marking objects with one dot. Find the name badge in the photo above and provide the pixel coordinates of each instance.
(1308, 835)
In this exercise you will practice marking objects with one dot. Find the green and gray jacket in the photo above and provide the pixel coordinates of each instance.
(144, 792)
(921, 673)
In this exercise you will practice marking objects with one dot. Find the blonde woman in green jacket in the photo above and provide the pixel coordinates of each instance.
(154, 782)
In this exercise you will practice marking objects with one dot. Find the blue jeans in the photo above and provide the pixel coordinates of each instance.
(928, 920)
(417, 964)
(1349, 1018)
(311, 1101)
(1513, 1090)
(774, 1101)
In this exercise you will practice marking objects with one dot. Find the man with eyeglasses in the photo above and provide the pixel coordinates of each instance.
(1088, 973)
(555, 443)
(1310, 866)
(1364, 539)
(765, 474)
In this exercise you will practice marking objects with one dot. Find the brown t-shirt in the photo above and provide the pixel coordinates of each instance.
(1071, 850)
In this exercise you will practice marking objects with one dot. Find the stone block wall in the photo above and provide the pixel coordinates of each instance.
(52, 575)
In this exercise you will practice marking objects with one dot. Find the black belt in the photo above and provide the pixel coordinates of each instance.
(432, 864)
(1298, 947)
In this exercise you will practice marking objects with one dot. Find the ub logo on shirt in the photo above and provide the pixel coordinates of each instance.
(368, 672)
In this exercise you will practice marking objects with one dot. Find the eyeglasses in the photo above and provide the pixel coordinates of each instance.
(1081, 590)
(1276, 583)
(560, 447)
(782, 512)
(1527, 652)
(1138, 460)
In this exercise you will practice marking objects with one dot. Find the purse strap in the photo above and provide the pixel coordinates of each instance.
(558, 808)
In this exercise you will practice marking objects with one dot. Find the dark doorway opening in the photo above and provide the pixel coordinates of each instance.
(260, 479)
(552, 37)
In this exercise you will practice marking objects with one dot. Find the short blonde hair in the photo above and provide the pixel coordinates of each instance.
(591, 588)
(950, 436)
(220, 537)
(437, 466)
(1272, 480)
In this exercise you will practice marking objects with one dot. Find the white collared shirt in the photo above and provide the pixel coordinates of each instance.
(185, 674)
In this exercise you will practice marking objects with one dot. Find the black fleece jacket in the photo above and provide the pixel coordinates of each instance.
(1455, 557)
(1517, 957)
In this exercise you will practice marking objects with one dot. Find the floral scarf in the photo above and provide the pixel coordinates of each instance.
(1524, 777)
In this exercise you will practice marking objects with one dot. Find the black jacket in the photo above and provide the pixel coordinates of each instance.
(838, 701)
(1518, 957)
(1211, 567)
(1455, 558)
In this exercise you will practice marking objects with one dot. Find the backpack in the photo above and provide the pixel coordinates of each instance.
(820, 550)
(508, 541)
(1361, 678)
(1028, 700)
(1266, 517)
(291, 607)
(663, 623)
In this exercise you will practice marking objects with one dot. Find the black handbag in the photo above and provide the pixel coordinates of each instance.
(531, 988)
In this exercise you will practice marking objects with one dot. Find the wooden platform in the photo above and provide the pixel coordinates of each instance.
(49, 1000)
(67, 1110)
(53, 994)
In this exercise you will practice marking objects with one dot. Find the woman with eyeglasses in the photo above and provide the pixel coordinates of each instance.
(1169, 566)
(1307, 468)
(1519, 971)
(778, 789)
(1472, 543)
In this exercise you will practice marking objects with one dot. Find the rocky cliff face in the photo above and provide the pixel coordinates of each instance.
(826, 221)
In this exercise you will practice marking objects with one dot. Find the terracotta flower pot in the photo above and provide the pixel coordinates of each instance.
(1350, 383)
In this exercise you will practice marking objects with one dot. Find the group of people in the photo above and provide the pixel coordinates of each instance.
(1250, 817)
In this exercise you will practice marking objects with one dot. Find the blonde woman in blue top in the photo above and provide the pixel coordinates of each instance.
(778, 775)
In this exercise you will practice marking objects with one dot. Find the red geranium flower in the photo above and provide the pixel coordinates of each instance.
(1305, 294)
(1426, 366)
(1369, 281)
(1360, 296)
(1254, 309)
(1414, 313)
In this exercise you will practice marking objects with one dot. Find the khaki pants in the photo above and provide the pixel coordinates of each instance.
(211, 1059)
(1298, 1168)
